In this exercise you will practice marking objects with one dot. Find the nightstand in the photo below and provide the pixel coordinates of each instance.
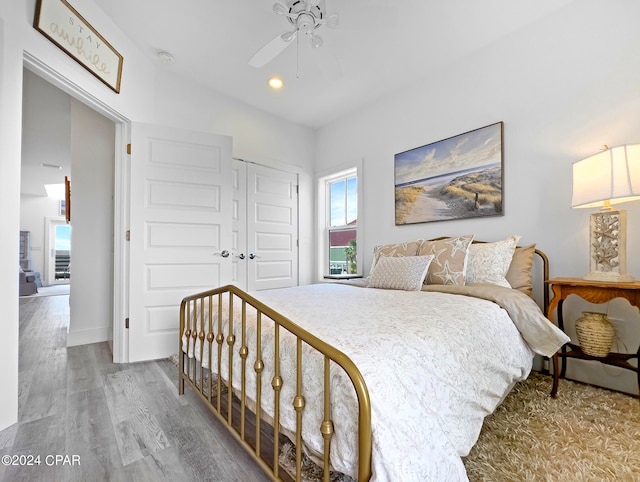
(594, 292)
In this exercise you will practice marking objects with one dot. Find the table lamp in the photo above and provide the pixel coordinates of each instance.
(609, 177)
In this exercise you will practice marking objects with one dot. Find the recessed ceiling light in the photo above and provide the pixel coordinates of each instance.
(276, 83)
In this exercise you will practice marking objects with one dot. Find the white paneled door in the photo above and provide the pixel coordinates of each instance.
(180, 229)
(272, 228)
(265, 227)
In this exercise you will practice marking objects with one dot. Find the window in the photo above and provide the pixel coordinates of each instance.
(338, 224)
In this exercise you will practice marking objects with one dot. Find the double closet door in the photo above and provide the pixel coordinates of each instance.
(200, 220)
(265, 227)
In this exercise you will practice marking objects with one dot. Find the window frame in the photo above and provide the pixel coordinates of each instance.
(324, 178)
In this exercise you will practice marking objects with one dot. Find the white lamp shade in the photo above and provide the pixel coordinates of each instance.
(612, 176)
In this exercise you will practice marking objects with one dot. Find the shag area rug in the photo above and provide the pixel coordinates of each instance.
(585, 434)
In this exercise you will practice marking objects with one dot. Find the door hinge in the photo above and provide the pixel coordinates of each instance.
(126, 323)
(128, 235)
(297, 189)
(128, 148)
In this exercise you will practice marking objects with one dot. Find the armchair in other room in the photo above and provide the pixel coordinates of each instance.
(28, 284)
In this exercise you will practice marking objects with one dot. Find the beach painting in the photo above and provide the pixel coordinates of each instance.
(455, 178)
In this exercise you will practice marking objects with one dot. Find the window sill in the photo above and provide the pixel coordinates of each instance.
(342, 276)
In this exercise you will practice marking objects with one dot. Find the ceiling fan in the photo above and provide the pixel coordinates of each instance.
(305, 16)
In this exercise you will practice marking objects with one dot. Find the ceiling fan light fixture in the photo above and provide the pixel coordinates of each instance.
(288, 36)
(316, 41)
(305, 17)
(280, 9)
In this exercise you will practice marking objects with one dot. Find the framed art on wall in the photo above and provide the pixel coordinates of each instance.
(65, 27)
(455, 178)
(67, 199)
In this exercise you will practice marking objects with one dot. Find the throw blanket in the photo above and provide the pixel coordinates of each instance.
(543, 337)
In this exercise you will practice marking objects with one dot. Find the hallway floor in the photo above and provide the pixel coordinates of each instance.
(83, 418)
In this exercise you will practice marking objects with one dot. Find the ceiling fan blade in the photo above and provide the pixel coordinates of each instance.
(269, 51)
(280, 9)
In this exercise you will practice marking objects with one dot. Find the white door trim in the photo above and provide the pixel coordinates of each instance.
(121, 197)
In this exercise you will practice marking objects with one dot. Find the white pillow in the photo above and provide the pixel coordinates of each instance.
(489, 262)
(400, 273)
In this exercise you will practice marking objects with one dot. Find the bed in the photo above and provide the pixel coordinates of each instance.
(385, 379)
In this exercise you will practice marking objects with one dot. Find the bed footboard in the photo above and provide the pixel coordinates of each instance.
(207, 323)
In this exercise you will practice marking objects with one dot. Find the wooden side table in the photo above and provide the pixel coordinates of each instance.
(594, 292)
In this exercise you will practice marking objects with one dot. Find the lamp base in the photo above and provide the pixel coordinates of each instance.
(608, 243)
(608, 277)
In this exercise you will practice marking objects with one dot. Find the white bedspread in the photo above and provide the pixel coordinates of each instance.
(435, 365)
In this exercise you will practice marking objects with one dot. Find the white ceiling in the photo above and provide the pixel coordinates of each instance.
(379, 47)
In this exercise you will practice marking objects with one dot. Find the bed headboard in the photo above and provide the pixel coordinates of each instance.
(540, 276)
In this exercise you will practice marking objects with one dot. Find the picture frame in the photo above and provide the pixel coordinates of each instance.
(67, 199)
(454, 178)
(65, 27)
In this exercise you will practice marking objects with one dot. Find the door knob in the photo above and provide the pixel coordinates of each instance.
(241, 256)
(224, 253)
(252, 256)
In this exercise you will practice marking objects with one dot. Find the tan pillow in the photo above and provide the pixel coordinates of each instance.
(409, 248)
(400, 273)
(449, 264)
(519, 274)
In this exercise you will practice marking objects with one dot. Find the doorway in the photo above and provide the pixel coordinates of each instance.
(84, 140)
(57, 269)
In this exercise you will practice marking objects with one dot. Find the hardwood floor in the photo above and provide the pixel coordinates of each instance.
(121, 422)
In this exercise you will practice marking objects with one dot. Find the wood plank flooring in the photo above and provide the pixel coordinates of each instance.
(121, 422)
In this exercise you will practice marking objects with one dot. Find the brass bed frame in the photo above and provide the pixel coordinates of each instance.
(201, 329)
(244, 420)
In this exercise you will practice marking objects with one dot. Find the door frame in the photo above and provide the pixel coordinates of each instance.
(120, 346)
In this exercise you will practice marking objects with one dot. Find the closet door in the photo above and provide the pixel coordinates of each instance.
(180, 229)
(272, 228)
(239, 224)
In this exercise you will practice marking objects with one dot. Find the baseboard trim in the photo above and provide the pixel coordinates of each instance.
(86, 337)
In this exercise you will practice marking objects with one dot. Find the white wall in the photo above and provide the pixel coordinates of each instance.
(92, 167)
(564, 86)
(147, 95)
(10, 119)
